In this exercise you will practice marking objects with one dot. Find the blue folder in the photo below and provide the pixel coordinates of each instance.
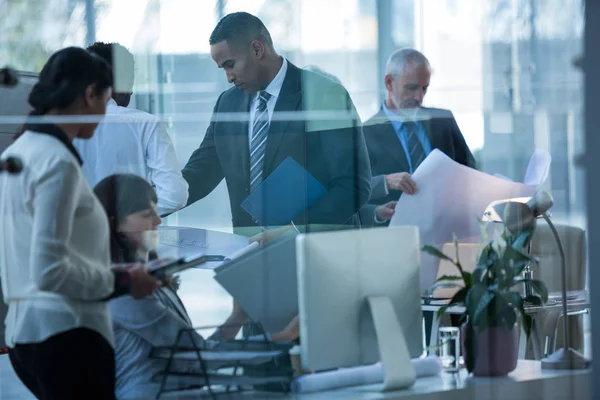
(287, 192)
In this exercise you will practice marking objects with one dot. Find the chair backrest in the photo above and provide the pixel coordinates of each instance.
(467, 254)
(545, 247)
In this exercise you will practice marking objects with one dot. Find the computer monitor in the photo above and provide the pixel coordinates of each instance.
(359, 301)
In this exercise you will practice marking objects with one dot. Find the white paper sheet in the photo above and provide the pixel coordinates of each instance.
(367, 375)
(177, 242)
(450, 199)
(538, 168)
(243, 251)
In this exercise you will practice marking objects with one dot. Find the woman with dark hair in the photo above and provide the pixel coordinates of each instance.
(130, 203)
(54, 241)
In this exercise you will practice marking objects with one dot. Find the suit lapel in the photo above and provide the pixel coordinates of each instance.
(430, 123)
(389, 141)
(239, 134)
(288, 101)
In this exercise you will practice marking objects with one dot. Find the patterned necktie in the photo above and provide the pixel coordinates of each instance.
(258, 143)
(415, 148)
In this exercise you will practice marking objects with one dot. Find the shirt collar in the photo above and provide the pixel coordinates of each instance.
(274, 87)
(55, 131)
(400, 117)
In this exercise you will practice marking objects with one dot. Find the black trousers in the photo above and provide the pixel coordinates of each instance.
(77, 364)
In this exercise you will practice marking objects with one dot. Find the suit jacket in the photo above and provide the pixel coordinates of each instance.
(387, 155)
(334, 152)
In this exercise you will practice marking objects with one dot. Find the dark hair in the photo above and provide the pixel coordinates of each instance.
(122, 62)
(122, 195)
(240, 28)
(65, 76)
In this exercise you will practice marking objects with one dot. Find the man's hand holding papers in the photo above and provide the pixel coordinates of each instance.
(451, 199)
(401, 181)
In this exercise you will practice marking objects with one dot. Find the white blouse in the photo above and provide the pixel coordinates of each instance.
(134, 142)
(54, 245)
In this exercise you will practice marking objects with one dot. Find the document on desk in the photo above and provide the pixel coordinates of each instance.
(451, 199)
(178, 242)
(359, 376)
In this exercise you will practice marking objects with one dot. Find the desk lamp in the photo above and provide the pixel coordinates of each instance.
(520, 214)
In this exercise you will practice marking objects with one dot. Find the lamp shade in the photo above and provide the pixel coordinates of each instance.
(519, 213)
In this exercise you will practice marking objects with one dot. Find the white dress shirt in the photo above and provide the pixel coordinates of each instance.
(135, 142)
(54, 245)
(273, 89)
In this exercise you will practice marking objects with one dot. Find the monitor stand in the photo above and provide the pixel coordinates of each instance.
(398, 371)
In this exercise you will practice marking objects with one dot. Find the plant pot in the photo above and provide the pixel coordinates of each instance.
(497, 351)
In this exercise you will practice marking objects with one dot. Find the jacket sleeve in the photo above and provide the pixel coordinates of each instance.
(462, 153)
(379, 188)
(203, 171)
(55, 201)
(171, 188)
(344, 145)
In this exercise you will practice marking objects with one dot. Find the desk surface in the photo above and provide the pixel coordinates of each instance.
(527, 382)
(581, 302)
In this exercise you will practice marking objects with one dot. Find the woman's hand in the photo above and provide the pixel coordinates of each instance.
(265, 237)
(141, 283)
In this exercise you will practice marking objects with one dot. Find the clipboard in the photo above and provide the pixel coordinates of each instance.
(164, 267)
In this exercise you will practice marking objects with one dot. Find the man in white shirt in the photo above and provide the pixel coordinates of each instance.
(132, 141)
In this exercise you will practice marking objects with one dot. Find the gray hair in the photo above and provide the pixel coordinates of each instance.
(401, 58)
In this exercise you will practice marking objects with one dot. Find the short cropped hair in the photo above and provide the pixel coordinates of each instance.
(401, 58)
(122, 62)
(240, 28)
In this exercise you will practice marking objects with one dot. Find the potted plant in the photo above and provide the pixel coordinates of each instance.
(492, 304)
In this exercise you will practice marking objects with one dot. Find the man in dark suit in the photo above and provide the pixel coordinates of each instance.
(256, 125)
(403, 133)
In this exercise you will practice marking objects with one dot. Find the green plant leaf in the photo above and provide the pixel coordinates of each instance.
(519, 304)
(449, 278)
(518, 256)
(487, 257)
(477, 301)
(496, 272)
(470, 347)
(513, 298)
(537, 285)
(519, 240)
(434, 251)
(504, 272)
(442, 285)
(483, 229)
(455, 243)
(503, 312)
(468, 279)
(457, 300)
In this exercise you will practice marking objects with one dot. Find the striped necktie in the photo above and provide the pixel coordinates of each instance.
(258, 143)
(415, 148)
